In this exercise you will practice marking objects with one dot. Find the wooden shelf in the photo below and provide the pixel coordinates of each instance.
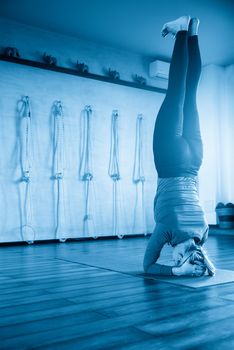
(70, 71)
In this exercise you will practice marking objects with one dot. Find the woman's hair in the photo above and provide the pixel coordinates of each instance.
(195, 254)
(198, 255)
(189, 245)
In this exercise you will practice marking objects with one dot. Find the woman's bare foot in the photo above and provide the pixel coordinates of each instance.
(181, 23)
(193, 26)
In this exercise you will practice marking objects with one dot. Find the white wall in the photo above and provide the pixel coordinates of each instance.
(44, 87)
(216, 106)
(208, 98)
(225, 188)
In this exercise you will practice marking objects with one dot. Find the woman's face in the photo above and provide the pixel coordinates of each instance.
(178, 254)
(179, 251)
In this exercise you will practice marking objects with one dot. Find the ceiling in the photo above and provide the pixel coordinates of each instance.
(132, 25)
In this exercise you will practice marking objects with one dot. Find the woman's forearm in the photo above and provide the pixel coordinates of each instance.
(158, 269)
(176, 271)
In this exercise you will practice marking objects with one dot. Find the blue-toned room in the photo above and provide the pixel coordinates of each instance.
(116, 174)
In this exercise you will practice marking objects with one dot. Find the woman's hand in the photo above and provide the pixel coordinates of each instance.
(188, 269)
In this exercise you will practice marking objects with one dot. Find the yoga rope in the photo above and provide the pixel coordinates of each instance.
(85, 167)
(27, 230)
(114, 171)
(58, 166)
(138, 175)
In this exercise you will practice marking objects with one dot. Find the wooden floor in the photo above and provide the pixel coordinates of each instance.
(77, 295)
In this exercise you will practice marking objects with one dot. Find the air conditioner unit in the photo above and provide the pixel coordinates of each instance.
(159, 69)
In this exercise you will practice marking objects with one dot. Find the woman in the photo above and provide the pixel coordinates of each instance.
(178, 153)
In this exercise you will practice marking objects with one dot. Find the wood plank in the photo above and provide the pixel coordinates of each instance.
(83, 330)
(49, 301)
(105, 340)
(67, 285)
(33, 307)
(200, 337)
(43, 325)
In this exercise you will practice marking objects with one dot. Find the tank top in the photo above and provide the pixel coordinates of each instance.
(177, 207)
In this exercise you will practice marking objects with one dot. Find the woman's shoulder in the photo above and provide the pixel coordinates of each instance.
(163, 233)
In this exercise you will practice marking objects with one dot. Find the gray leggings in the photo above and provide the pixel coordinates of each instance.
(177, 143)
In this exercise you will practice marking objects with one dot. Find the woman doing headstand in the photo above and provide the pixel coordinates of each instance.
(178, 153)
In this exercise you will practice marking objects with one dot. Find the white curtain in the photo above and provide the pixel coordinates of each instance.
(225, 179)
(216, 107)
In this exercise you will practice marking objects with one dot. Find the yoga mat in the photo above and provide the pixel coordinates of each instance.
(126, 256)
(221, 277)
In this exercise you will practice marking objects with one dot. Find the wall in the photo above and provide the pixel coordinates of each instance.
(216, 106)
(208, 98)
(225, 189)
(44, 87)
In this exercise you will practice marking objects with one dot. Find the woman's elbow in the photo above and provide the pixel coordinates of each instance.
(146, 266)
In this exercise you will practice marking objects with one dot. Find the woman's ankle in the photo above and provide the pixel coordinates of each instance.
(193, 26)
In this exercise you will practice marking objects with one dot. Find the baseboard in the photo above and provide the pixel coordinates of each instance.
(82, 239)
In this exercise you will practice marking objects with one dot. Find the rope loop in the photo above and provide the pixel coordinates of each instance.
(115, 177)
(138, 173)
(88, 109)
(26, 176)
(139, 178)
(87, 177)
(25, 115)
(87, 217)
(58, 168)
(24, 108)
(58, 176)
(115, 113)
(85, 164)
(113, 170)
(85, 172)
(58, 109)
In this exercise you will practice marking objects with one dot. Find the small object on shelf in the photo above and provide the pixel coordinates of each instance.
(11, 52)
(139, 79)
(49, 59)
(30, 242)
(113, 74)
(82, 67)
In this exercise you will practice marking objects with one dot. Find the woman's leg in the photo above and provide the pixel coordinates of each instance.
(191, 126)
(170, 116)
(170, 149)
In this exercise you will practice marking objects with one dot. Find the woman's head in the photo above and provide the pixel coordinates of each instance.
(181, 249)
(195, 255)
